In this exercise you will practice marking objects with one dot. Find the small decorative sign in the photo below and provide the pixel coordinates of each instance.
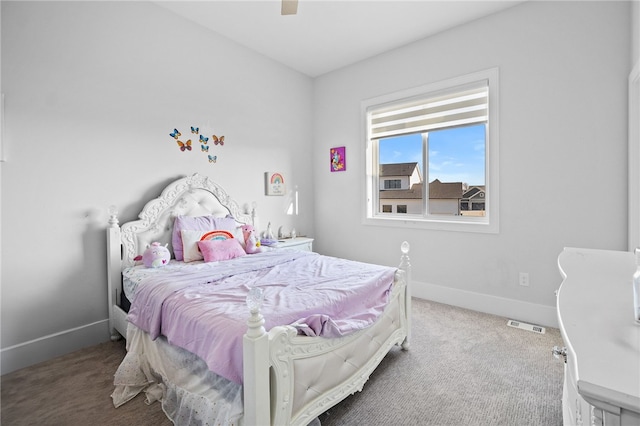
(338, 159)
(274, 183)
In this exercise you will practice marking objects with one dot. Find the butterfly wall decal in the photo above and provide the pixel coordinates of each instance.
(204, 142)
(218, 140)
(185, 145)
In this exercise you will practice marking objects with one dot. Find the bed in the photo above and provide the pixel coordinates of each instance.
(289, 371)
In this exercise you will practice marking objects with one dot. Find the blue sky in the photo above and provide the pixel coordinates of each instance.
(455, 155)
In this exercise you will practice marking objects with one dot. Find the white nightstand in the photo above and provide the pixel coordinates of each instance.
(298, 243)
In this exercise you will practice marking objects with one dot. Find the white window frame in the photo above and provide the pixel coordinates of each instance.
(487, 224)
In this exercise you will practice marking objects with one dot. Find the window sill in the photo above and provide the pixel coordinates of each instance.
(456, 224)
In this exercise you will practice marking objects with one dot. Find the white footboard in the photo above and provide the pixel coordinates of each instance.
(291, 379)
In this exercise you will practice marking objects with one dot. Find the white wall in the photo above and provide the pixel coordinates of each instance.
(92, 90)
(563, 152)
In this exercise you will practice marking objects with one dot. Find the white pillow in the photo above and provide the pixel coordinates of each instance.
(190, 250)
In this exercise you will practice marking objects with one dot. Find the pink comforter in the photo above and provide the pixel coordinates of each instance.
(203, 309)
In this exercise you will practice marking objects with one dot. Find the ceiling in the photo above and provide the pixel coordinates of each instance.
(326, 35)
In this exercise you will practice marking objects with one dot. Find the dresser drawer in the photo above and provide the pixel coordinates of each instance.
(299, 243)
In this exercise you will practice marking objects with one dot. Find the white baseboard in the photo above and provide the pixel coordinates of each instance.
(45, 348)
(495, 305)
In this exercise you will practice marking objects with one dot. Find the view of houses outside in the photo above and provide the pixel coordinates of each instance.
(456, 172)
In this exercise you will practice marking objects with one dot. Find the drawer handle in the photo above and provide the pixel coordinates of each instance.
(558, 352)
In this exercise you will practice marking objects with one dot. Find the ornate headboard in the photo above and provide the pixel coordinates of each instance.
(194, 195)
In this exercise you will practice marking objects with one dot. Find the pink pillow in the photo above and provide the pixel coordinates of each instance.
(215, 250)
(197, 223)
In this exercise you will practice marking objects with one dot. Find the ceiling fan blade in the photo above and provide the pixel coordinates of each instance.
(289, 7)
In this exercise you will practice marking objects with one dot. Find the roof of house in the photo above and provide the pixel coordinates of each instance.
(397, 169)
(474, 191)
(437, 190)
(446, 190)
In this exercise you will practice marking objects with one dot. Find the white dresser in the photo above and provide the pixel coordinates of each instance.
(595, 315)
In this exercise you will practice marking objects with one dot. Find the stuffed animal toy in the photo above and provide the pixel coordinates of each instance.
(251, 240)
(156, 256)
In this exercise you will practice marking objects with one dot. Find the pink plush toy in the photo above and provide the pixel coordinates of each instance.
(156, 256)
(251, 240)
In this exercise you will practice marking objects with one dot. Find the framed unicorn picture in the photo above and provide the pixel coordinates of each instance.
(274, 183)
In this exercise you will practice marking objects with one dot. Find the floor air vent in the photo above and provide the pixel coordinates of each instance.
(525, 326)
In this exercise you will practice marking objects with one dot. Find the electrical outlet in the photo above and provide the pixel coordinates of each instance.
(524, 279)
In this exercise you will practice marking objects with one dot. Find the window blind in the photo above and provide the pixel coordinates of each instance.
(461, 106)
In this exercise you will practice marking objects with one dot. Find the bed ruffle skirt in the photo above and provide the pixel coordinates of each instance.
(193, 396)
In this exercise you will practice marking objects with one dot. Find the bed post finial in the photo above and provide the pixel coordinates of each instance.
(113, 216)
(256, 321)
(405, 264)
(253, 213)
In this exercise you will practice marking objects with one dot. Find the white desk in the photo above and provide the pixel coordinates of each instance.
(595, 315)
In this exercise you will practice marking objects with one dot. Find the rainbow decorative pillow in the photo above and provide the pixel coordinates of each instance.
(215, 250)
(190, 239)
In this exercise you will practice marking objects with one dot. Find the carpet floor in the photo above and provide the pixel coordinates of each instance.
(463, 368)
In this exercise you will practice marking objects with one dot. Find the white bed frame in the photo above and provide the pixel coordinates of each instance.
(281, 381)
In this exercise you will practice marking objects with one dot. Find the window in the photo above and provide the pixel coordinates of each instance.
(392, 184)
(433, 153)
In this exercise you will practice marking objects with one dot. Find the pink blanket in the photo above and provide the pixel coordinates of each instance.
(203, 309)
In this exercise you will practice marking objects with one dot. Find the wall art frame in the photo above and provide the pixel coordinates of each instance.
(274, 184)
(338, 159)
